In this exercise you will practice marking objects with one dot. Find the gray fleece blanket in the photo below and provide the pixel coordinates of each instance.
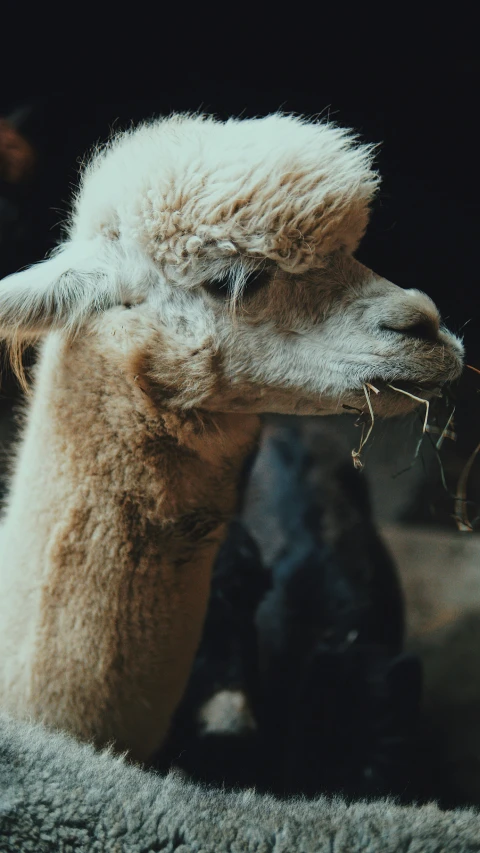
(58, 795)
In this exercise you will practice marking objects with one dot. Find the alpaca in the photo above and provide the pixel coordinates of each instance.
(207, 276)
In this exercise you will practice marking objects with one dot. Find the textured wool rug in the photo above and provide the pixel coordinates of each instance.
(58, 795)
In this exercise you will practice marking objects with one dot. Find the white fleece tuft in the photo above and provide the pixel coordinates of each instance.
(191, 189)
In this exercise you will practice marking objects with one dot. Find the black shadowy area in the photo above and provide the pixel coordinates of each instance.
(340, 701)
(214, 734)
(300, 685)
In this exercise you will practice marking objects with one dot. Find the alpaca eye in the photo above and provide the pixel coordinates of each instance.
(256, 280)
(220, 287)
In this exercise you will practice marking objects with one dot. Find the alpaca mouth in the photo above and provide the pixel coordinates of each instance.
(433, 389)
(416, 388)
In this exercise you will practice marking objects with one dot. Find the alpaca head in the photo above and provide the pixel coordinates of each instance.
(215, 260)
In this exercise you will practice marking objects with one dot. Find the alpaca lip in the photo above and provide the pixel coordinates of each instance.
(433, 389)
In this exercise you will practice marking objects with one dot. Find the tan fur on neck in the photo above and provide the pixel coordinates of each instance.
(110, 634)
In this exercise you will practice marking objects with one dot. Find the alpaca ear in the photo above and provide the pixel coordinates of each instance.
(60, 292)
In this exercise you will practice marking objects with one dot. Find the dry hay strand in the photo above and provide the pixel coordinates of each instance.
(444, 433)
(448, 431)
(356, 454)
(426, 403)
(424, 428)
(367, 387)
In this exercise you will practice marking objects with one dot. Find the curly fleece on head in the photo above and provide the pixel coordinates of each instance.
(189, 189)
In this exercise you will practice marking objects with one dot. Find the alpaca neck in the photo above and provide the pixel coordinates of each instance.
(115, 516)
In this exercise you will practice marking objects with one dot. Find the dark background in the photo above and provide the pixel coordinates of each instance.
(410, 85)
(417, 98)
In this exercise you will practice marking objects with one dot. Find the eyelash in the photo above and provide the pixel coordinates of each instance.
(254, 282)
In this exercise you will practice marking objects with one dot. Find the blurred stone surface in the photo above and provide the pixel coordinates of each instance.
(440, 573)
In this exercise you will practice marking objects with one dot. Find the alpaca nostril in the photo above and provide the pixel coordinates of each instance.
(422, 330)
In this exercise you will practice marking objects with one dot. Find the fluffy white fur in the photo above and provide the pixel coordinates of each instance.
(191, 189)
(149, 380)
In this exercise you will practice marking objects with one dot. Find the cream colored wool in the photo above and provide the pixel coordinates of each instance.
(192, 189)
